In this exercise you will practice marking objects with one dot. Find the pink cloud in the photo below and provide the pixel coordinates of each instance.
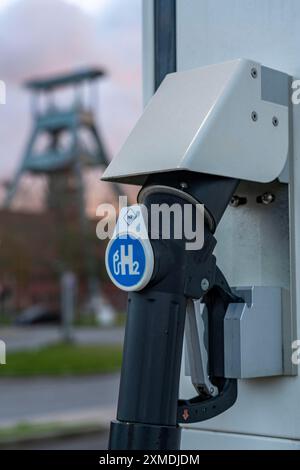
(38, 38)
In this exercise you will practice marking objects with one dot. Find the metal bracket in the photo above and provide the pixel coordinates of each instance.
(215, 392)
(254, 334)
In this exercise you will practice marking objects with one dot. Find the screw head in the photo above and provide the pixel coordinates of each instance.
(275, 121)
(254, 72)
(237, 201)
(205, 284)
(254, 116)
(267, 198)
(234, 201)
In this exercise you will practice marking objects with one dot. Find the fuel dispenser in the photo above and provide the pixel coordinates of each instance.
(217, 138)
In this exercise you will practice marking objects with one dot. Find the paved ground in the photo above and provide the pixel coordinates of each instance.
(31, 337)
(50, 399)
(81, 399)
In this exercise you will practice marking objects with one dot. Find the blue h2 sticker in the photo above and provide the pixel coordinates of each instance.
(126, 261)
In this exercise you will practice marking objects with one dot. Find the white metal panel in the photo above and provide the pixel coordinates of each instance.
(207, 440)
(212, 31)
(252, 249)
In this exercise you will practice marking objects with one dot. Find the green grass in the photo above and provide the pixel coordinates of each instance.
(5, 319)
(63, 359)
(28, 431)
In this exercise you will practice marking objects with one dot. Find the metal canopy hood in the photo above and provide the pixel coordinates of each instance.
(230, 119)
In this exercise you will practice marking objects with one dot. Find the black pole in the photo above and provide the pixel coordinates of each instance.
(164, 39)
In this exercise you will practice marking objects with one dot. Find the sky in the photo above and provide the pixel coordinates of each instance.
(40, 37)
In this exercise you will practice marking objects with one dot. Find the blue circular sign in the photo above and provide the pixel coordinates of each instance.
(129, 263)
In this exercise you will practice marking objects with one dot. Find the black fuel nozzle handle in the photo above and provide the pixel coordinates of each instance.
(201, 408)
(148, 395)
(148, 416)
(149, 386)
